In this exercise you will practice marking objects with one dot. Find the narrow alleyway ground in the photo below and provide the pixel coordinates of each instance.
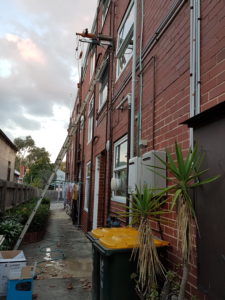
(68, 276)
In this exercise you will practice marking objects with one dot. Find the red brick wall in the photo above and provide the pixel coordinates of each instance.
(165, 101)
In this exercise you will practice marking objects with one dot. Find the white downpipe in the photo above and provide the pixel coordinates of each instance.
(191, 71)
(133, 82)
(198, 58)
(192, 58)
(195, 79)
(140, 77)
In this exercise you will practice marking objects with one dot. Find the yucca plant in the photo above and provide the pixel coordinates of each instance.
(145, 206)
(184, 176)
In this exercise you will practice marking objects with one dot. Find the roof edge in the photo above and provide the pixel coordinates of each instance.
(8, 141)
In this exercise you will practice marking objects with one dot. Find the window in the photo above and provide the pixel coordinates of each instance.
(125, 40)
(9, 171)
(92, 64)
(103, 89)
(87, 185)
(105, 7)
(81, 122)
(90, 119)
(120, 169)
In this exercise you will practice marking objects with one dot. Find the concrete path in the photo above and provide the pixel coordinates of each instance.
(68, 275)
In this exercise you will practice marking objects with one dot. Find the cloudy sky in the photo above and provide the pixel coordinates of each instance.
(38, 67)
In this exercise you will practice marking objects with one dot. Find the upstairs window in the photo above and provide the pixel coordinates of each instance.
(105, 7)
(81, 122)
(125, 40)
(103, 87)
(92, 64)
(90, 119)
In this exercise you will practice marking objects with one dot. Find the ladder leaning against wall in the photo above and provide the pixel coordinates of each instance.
(72, 130)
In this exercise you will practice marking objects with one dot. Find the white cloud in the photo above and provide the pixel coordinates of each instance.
(37, 66)
(5, 68)
(27, 48)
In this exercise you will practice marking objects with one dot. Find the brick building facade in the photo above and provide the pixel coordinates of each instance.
(150, 66)
(7, 157)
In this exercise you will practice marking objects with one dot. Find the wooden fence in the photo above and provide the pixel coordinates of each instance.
(12, 194)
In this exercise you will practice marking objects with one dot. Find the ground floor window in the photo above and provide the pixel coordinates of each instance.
(120, 169)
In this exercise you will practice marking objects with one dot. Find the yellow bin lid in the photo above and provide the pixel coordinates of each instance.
(119, 241)
(124, 242)
(103, 232)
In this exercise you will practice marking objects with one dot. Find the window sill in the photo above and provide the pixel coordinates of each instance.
(119, 199)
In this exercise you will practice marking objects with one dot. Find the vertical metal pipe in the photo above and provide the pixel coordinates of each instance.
(192, 92)
(153, 104)
(198, 58)
(109, 109)
(133, 81)
(140, 79)
(128, 154)
(195, 61)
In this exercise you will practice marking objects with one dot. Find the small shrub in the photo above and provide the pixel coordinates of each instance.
(11, 229)
(11, 225)
(40, 219)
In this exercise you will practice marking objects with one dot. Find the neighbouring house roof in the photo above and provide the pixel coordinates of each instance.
(8, 141)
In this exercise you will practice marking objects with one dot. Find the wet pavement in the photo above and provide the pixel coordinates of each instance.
(63, 258)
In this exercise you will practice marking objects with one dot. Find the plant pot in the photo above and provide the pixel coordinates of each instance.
(33, 237)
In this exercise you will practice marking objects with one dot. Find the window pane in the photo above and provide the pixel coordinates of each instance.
(125, 55)
(89, 170)
(90, 126)
(103, 94)
(121, 155)
(122, 175)
(91, 105)
(103, 87)
(105, 4)
(126, 27)
(92, 65)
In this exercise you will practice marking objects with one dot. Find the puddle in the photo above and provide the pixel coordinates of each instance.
(48, 254)
(65, 268)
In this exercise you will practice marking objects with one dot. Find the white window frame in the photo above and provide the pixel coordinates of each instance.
(103, 83)
(90, 119)
(124, 45)
(115, 198)
(87, 186)
(105, 8)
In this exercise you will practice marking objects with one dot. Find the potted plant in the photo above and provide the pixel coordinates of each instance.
(184, 176)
